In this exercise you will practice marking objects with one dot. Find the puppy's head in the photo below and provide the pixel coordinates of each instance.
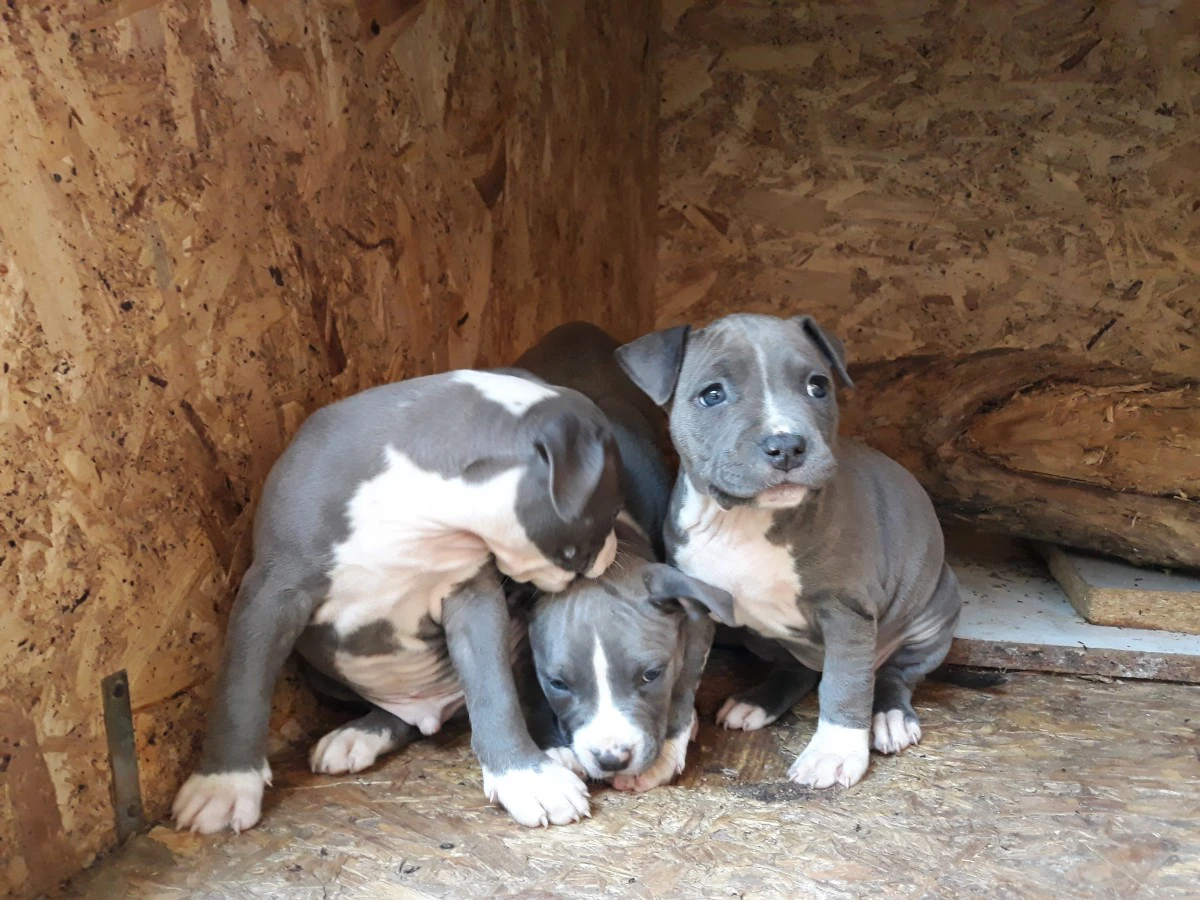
(752, 403)
(568, 500)
(608, 653)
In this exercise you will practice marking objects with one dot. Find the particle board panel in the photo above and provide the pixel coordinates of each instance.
(930, 177)
(1016, 616)
(1051, 787)
(215, 218)
(1110, 592)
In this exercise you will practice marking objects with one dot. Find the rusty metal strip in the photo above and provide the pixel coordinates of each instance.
(122, 755)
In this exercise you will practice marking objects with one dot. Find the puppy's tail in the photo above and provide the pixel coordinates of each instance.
(961, 676)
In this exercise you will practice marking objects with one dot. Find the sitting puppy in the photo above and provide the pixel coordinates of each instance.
(373, 556)
(831, 550)
(619, 657)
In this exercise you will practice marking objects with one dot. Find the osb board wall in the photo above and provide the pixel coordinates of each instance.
(938, 176)
(214, 218)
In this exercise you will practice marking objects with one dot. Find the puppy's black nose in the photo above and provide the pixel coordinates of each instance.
(613, 760)
(784, 451)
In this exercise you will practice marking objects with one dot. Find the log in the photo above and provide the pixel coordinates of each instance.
(1045, 446)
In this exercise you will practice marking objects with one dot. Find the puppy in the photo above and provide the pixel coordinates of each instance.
(619, 657)
(832, 551)
(379, 544)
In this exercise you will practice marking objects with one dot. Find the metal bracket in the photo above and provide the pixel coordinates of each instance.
(122, 755)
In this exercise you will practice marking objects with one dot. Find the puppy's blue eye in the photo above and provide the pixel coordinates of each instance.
(652, 674)
(711, 396)
(558, 684)
(818, 386)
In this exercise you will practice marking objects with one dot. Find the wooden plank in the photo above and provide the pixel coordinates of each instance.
(1016, 616)
(1109, 592)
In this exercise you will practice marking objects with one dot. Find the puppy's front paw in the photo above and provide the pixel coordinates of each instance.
(348, 749)
(670, 762)
(547, 795)
(894, 730)
(835, 755)
(212, 803)
(738, 715)
(566, 758)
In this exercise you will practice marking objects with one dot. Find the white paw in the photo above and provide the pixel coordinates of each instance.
(835, 755)
(891, 732)
(736, 715)
(670, 762)
(566, 758)
(348, 749)
(550, 795)
(212, 803)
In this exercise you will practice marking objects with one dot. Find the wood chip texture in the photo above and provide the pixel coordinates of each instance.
(215, 218)
(1050, 787)
(931, 177)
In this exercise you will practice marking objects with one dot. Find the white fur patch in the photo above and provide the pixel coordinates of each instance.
(212, 803)
(551, 795)
(835, 755)
(566, 758)
(773, 416)
(729, 550)
(513, 393)
(738, 716)
(891, 732)
(348, 749)
(609, 730)
(413, 537)
(669, 764)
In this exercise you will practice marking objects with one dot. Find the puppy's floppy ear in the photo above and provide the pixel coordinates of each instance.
(652, 362)
(668, 587)
(575, 454)
(831, 348)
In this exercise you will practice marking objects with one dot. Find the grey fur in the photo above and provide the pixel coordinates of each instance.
(443, 426)
(646, 615)
(580, 356)
(865, 542)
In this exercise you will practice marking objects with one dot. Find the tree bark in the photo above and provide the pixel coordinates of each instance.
(1044, 446)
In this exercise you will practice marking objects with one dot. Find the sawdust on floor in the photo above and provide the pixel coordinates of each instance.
(1049, 787)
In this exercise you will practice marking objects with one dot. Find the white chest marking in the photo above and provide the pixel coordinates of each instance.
(513, 393)
(413, 536)
(729, 549)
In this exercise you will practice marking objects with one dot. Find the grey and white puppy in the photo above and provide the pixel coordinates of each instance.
(831, 550)
(619, 657)
(379, 545)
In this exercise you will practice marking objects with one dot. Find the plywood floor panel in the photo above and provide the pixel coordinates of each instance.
(1050, 787)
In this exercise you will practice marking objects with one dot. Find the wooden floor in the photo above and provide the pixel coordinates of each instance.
(1050, 787)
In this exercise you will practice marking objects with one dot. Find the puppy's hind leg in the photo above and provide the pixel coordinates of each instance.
(268, 616)
(894, 722)
(762, 704)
